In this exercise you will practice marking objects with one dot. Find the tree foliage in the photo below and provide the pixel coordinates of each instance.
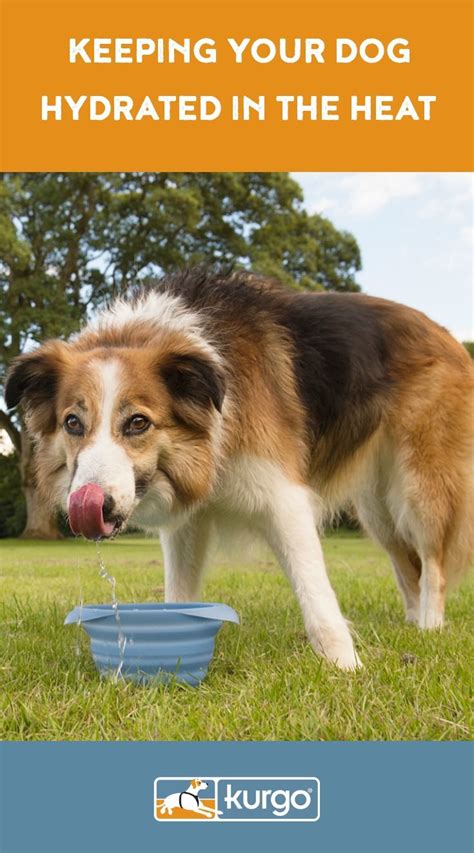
(12, 503)
(68, 241)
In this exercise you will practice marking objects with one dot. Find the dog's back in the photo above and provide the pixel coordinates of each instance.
(368, 373)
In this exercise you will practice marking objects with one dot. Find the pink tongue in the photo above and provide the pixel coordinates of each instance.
(85, 512)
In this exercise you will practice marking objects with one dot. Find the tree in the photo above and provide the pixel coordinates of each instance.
(70, 241)
(12, 502)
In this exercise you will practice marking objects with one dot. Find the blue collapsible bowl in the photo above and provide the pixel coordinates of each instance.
(160, 642)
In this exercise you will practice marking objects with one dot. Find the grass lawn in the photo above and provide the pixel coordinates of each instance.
(264, 683)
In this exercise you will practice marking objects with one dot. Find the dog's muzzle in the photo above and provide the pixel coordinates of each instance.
(90, 512)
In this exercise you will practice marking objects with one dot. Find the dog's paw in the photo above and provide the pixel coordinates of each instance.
(338, 649)
(431, 622)
(411, 618)
(347, 660)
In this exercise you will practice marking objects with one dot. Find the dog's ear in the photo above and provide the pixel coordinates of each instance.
(194, 379)
(32, 381)
(195, 783)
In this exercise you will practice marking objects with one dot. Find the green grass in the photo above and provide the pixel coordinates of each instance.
(264, 683)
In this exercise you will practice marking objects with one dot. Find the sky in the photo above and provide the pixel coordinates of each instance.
(416, 235)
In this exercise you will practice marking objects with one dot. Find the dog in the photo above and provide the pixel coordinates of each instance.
(211, 399)
(188, 800)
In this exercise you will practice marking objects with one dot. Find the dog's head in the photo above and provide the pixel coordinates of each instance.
(121, 428)
(198, 785)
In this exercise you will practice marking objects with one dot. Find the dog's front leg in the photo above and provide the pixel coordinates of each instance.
(184, 552)
(291, 532)
(205, 813)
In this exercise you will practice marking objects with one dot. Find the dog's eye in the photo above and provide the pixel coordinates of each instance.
(136, 424)
(73, 425)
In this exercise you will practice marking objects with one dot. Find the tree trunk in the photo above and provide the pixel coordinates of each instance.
(41, 523)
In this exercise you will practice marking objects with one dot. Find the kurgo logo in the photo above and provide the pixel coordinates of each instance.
(237, 798)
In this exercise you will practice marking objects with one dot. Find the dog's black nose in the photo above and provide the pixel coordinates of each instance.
(108, 508)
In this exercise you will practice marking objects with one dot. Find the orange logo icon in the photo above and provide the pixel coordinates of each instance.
(194, 800)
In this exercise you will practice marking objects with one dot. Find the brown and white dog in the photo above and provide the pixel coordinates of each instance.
(210, 398)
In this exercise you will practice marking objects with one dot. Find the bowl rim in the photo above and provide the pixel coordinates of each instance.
(162, 606)
(203, 610)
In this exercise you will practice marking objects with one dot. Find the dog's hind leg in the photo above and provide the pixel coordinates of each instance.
(433, 589)
(407, 568)
(184, 551)
(291, 532)
(375, 517)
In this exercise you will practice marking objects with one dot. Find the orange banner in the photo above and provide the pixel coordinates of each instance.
(183, 86)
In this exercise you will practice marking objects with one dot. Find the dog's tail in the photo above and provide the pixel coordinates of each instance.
(459, 544)
(459, 541)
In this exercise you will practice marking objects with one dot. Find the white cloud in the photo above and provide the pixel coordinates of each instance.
(364, 194)
(358, 193)
(467, 233)
(369, 192)
(462, 335)
(321, 204)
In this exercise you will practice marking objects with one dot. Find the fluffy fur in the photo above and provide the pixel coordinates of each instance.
(270, 409)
